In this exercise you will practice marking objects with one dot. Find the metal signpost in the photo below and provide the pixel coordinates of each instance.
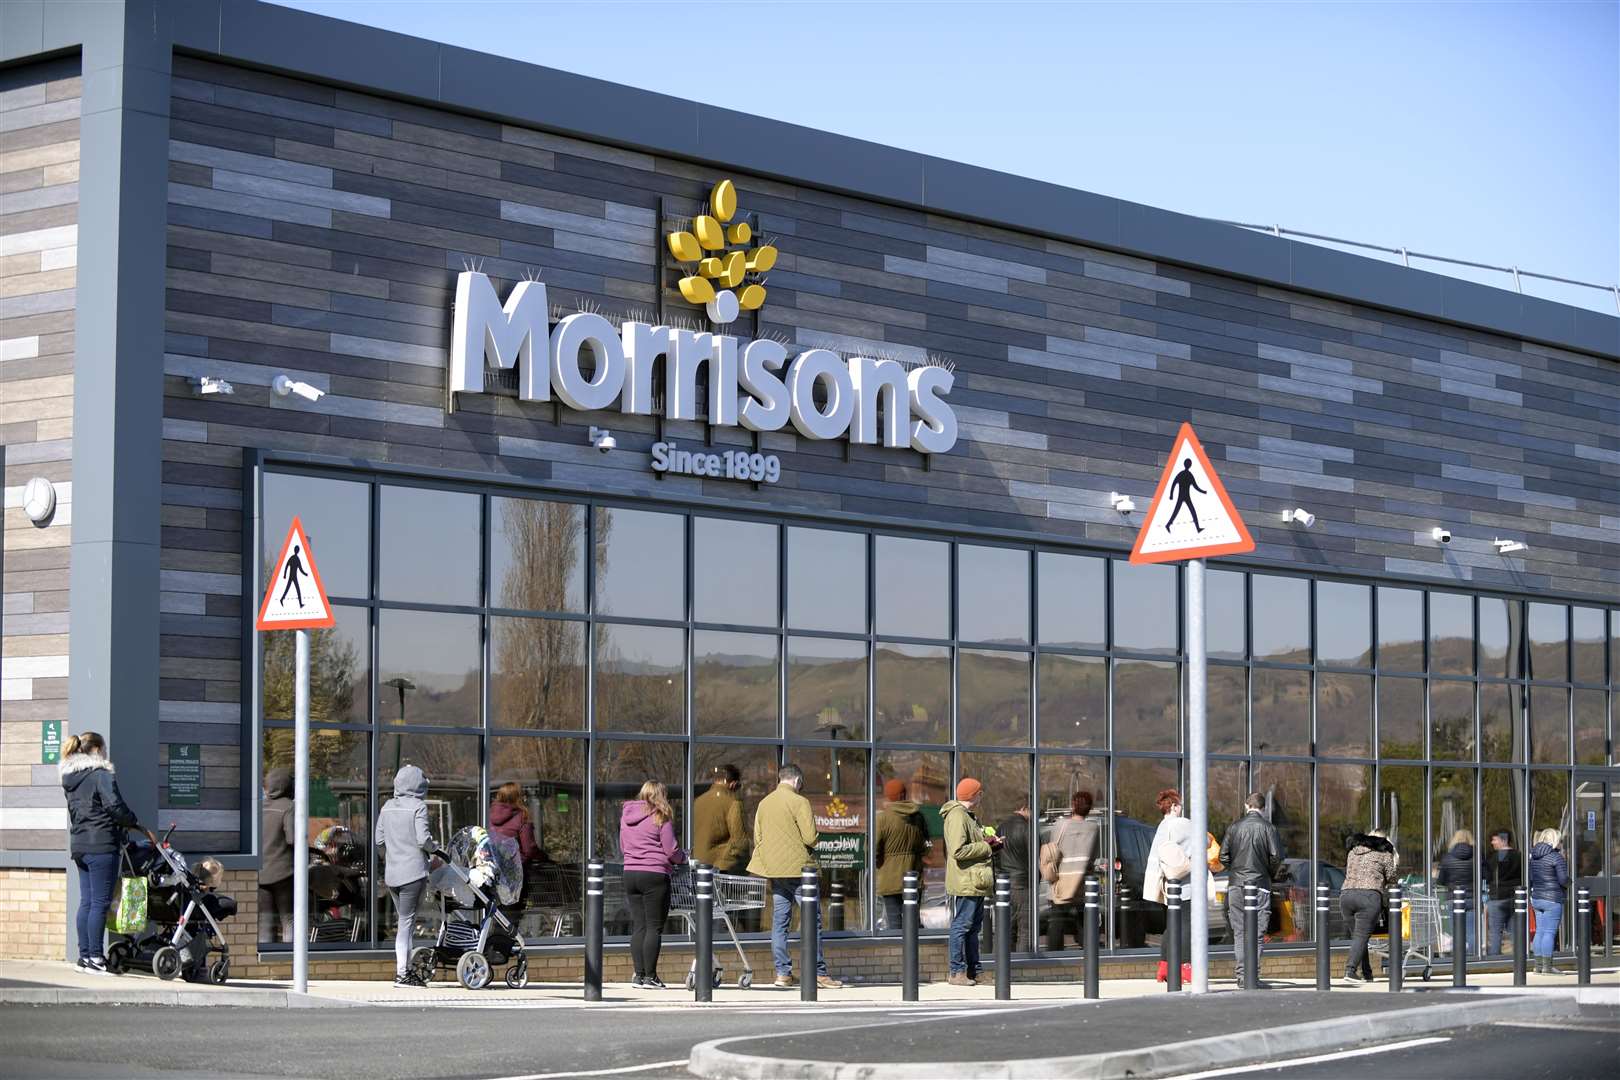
(1192, 517)
(296, 600)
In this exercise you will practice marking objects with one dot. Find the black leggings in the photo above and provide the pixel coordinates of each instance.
(648, 895)
(1186, 924)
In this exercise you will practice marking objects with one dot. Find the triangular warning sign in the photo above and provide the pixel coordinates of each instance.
(1192, 516)
(296, 599)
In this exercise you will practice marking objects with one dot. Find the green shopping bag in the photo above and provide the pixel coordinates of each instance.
(130, 915)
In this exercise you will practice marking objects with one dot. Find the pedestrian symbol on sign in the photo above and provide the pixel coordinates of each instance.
(295, 568)
(1183, 486)
(286, 605)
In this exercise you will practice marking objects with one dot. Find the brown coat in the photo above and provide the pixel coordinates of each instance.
(900, 844)
(718, 838)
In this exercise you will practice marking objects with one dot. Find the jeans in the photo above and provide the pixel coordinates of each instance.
(276, 911)
(647, 892)
(406, 900)
(967, 916)
(1548, 914)
(1234, 921)
(784, 898)
(98, 877)
(1023, 931)
(1498, 918)
(1361, 908)
(1470, 929)
(893, 912)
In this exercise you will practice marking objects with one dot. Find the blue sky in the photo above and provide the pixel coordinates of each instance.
(1488, 132)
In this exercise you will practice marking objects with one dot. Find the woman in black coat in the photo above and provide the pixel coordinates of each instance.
(1456, 871)
(97, 818)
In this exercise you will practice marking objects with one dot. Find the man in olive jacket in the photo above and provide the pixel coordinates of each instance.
(899, 848)
(968, 878)
(784, 844)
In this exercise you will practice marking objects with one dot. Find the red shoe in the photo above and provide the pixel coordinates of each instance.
(1186, 974)
(1164, 971)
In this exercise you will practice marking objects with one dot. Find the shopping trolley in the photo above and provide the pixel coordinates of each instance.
(1422, 923)
(732, 893)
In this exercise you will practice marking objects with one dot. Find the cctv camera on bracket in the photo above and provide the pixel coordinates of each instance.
(1441, 535)
(284, 385)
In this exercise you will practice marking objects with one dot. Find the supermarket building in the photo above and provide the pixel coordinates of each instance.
(602, 491)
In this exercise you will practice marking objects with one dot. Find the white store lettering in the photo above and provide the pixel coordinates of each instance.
(668, 457)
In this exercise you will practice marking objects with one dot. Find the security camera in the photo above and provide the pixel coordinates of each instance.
(1299, 516)
(285, 385)
(1508, 547)
(603, 439)
(1123, 503)
(1441, 535)
(209, 384)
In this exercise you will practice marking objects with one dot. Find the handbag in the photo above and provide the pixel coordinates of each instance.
(1051, 856)
(1173, 859)
(130, 915)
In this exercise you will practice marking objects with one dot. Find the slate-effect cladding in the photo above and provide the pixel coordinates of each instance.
(319, 231)
(39, 238)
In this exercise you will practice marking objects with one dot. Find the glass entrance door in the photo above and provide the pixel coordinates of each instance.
(1595, 858)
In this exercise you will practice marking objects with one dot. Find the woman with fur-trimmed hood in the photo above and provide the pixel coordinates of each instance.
(97, 818)
(1368, 871)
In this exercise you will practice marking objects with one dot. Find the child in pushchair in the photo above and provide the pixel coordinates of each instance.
(183, 913)
(480, 889)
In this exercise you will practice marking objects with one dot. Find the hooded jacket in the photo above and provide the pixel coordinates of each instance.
(901, 843)
(647, 843)
(97, 812)
(1456, 870)
(1370, 863)
(277, 828)
(402, 830)
(1549, 873)
(508, 821)
(967, 852)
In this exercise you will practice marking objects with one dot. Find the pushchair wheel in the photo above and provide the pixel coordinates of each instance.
(423, 963)
(745, 980)
(517, 976)
(219, 971)
(1427, 971)
(118, 954)
(472, 970)
(166, 963)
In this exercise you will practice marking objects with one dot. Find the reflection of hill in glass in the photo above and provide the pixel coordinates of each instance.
(825, 692)
(334, 670)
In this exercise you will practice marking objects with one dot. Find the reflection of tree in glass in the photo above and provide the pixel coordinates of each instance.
(542, 682)
(333, 665)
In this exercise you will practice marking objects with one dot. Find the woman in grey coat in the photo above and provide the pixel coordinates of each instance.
(402, 833)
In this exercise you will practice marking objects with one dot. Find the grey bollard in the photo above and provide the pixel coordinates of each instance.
(703, 958)
(910, 922)
(1324, 947)
(1089, 931)
(1583, 936)
(1459, 937)
(809, 931)
(1521, 934)
(1173, 902)
(1003, 937)
(1397, 939)
(835, 905)
(1251, 937)
(593, 931)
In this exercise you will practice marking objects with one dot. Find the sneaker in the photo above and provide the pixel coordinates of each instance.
(827, 982)
(1355, 977)
(638, 981)
(785, 981)
(653, 982)
(410, 978)
(960, 978)
(95, 965)
(79, 963)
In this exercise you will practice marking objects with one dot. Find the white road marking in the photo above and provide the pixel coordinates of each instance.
(1599, 1026)
(621, 1071)
(1291, 1062)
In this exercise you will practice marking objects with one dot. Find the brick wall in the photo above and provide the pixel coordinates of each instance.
(33, 914)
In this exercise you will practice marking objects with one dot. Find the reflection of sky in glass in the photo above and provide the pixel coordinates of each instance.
(1549, 640)
(1343, 624)
(336, 515)
(429, 546)
(1282, 612)
(1225, 614)
(641, 564)
(826, 580)
(1145, 608)
(992, 587)
(1071, 600)
(734, 572)
(438, 652)
(913, 587)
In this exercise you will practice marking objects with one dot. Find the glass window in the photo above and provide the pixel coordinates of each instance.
(1400, 813)
(1451, 713)
(621, 768)
(1074, 700)
(1146, 608)
(835, 784)
(1005, 807)
(428, 668)
(1147, 705)
(1226, 620)
(1072, 601)
(1344, 715)
(734, 687)
(1343, 624)
(450, 763)
(913, 693)
(1589, 734)
(826, 580)
(1549, 642)
(1228, 787)
(1501, 730)
(536, 555)
(640, 564)
(1587, 648)
(1503, 861)
(1400, 629)
(537, 674)
(1549, 725)
(1282, 711)
(1226, 709)
(1137, 783)
(992, 707)
(992, 594)
(640, 679)
(734, 572)
(545, 780)
(431, 543)
(1060, 778)
(336, 516)
(1501, 637)
(339, 832)
(1345, 808)
(719, 838)
(1451, 634)
(826, 689)
(1451, 838)
(339, 670)
(1282, 618)
(1549, 809)
(925, 776)
(1400, 717)
(913, 587)
(1287, 788)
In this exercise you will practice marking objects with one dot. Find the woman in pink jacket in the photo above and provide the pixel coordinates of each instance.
(647, 840)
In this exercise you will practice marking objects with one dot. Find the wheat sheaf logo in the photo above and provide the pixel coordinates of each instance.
(724, 273)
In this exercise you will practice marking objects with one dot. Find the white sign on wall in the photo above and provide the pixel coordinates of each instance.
(750, 384)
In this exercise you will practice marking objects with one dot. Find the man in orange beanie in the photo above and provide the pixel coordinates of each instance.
(901, 842)
(968, 878)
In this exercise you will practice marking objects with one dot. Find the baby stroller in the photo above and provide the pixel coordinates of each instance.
(182, 918)
(480, 889)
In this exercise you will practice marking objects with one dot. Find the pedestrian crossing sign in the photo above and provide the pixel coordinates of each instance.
(295, 598)
(1191, 516)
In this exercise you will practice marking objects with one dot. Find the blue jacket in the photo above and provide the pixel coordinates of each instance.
(1549, 873)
